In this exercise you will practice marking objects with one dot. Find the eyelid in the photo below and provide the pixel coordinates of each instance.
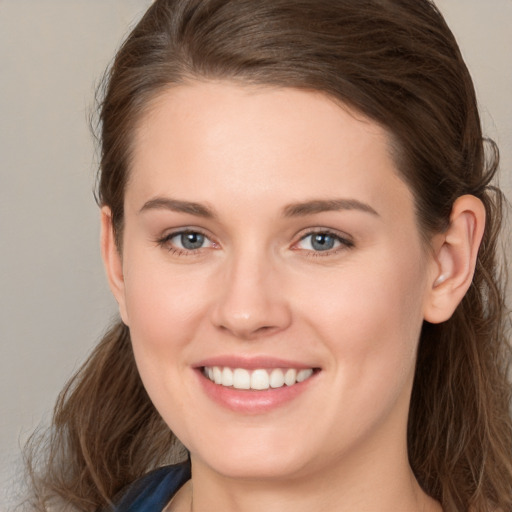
(164, 241)
(345, 241)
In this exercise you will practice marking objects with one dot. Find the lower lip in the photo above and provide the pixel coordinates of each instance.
(251, 401)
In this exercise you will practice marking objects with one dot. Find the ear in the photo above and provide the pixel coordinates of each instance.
(455, 254)
(112, 261)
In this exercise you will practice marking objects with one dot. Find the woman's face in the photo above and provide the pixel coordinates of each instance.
(268, 237)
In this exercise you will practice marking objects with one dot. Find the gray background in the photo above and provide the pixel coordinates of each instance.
(54, 302)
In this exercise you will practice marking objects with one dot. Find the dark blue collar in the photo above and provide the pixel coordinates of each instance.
(152, 492)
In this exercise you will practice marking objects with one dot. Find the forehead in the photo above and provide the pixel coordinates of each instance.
(219, 140)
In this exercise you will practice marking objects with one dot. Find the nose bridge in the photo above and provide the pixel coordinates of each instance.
(251, 301)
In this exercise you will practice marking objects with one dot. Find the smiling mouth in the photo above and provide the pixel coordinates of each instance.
(259, 379)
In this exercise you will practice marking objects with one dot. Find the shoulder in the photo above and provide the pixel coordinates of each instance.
(153, 491)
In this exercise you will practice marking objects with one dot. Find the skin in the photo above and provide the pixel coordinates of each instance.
(258, 288)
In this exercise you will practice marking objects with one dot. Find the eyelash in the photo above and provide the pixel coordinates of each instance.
(344, 243)
(165, 242)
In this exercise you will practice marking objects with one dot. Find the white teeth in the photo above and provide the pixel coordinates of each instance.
(259, 379)
(290, 377)
(217, 375)
(277, 378)
(241, 379)
(227, 377)
(304, 374)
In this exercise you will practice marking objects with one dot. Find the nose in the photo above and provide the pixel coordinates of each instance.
(252, 300)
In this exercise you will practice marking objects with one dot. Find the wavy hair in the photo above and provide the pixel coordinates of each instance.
(395, 61)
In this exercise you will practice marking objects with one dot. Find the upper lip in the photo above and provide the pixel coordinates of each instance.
(252, 363)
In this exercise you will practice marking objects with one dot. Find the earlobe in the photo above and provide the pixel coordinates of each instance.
(455, 255)
(112, 261)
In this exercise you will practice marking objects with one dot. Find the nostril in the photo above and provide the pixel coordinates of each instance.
(265, 329)
(247, 332)
(248, 312)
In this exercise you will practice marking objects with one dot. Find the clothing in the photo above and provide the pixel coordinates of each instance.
(152, 492)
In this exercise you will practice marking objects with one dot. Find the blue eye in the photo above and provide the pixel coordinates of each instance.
(322, 242)
(186, 241)
(190, 241)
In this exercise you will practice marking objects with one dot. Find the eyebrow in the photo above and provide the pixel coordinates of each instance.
(165, 203)
(292, 210)
(326, 205)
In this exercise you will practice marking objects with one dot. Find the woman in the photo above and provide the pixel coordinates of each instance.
(300, 231)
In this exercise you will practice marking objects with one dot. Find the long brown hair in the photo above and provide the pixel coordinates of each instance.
(397, 62)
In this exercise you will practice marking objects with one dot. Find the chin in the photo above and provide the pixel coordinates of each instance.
(257, 466)
(259, 458)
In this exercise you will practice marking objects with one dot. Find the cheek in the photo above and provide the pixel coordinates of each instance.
(163, 311)
(371, 316)
(163, 306)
